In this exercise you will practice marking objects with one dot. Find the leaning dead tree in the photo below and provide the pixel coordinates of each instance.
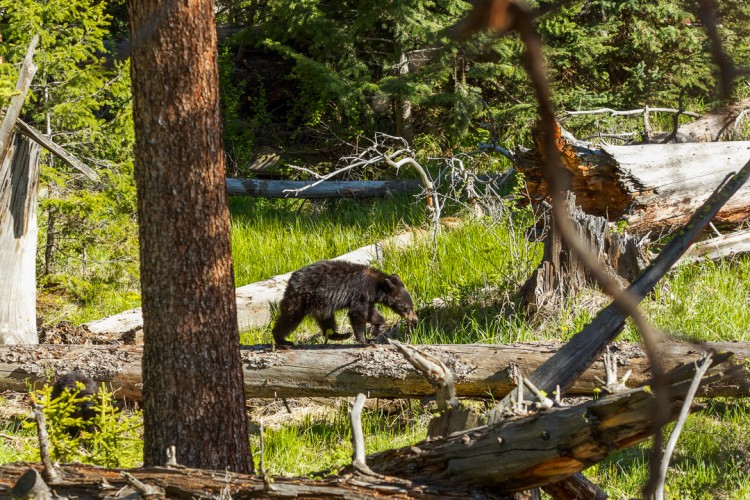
(20, 149)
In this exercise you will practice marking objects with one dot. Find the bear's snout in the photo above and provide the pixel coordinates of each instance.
(411, 317)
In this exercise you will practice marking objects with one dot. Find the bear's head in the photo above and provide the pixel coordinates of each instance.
(397, 298)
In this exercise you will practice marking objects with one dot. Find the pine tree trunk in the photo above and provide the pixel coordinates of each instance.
(192, 376)
(19, 176)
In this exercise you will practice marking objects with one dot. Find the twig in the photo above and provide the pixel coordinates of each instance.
(434, 370)
(358, 438)
(700, 371)
(146, 490)
(51, 474)
(613, 112)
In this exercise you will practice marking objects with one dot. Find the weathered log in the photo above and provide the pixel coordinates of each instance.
(90, 482)
(520, 453)
(328, 189)
(721, 247)
(650, 187)
(516, 454)
(715, 124)
(480, 371)
(254, 300)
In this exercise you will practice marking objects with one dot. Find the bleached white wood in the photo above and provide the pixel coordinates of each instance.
(19, 175)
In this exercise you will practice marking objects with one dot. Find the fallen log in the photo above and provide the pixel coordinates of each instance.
(718, 248)
(520, 453)
(480, 371)
(650, 187)
(254, 300)
(90, 482)
(716, 123)
(328, 189)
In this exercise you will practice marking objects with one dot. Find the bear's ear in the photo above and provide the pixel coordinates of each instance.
(396, 279)
(389, 285)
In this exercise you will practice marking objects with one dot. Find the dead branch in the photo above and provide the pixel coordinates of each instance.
(358, 438)
(700, 371)
(55, 149)
(630, 112)
(50, 473)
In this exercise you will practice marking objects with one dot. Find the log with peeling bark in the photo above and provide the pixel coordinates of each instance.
(651, 187)
(254, 300)
(328, 189)
(480, 371)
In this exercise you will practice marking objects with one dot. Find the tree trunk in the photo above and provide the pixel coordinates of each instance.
(651, 187)
(328, 189)
(192, 373)
(19, 176)
(480, 371)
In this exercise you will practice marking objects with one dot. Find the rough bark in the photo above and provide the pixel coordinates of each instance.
(328, 189)
(193, 394)
(480, 371)
(651, 187)
(254, 300)
(561, 272)
(19, 176)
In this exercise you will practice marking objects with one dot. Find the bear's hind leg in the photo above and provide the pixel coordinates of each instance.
(285, 324)
(328, 328)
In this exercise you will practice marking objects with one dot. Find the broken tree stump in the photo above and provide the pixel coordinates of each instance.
(561, 273)
(650, 187)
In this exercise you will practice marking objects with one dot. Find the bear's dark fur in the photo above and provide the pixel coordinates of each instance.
(322, 288)
(69, 382)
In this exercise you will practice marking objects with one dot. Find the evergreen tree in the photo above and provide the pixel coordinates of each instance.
(81, 99)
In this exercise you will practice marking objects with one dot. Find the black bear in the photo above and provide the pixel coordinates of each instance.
(85, 409)
(322, 288)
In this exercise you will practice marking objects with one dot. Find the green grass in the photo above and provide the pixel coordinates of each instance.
(320, 443)
(475, 270)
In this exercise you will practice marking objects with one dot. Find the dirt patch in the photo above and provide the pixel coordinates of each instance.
(68, 333)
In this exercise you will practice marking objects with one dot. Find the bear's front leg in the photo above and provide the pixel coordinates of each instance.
(358, 319)
(377, 321)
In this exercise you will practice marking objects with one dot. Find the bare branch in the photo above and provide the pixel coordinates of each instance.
(614, 112)
(358, 438)
(700, 371)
